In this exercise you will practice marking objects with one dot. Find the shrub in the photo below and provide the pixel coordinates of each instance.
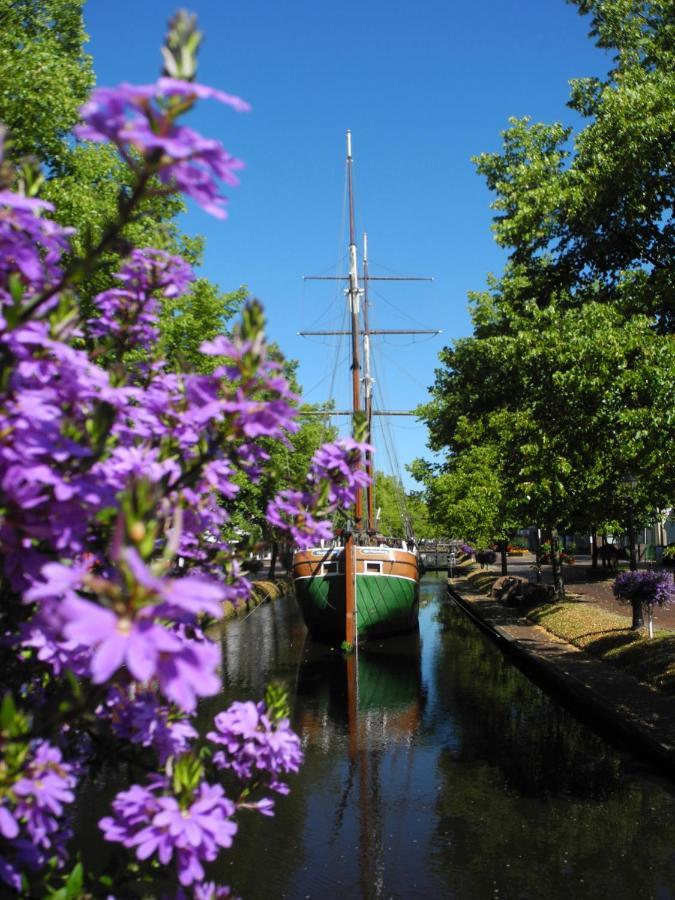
(485, 557)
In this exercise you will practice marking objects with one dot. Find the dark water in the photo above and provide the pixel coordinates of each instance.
(445, 773)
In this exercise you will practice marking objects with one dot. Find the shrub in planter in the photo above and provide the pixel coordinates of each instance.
(668, 558)
(519, 543)
(646, 588)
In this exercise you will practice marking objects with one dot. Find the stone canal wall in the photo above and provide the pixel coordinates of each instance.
(263, 591)
(635, 713)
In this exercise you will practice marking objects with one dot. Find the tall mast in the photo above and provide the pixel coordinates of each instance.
(351, 623)
(353, 293)
(368, 391)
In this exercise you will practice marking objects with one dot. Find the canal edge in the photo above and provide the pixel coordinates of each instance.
(601, 694)
(262, 591)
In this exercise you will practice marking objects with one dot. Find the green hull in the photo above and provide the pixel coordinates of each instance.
(385, 605)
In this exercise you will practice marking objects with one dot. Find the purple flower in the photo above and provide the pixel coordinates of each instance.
(291, 511)
(340, 464)
(31, 246)
(649, 587)
(254, 747)
(154, 824)
(45, 786)
(143, 720)
(209, 890)
(130, 314)
(141, 118)
(9, 827)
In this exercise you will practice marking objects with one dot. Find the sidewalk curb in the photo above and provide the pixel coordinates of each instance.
(617, 721)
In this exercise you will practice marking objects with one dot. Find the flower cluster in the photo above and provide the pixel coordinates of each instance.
(151, 822)
(142, 719)
(141, 119)
(339, 465)
(466, 549)
(336, 475)
(255, 747)
(31, 812)
(116, 474)
(649, 587)
(128, 316)
(31, 248)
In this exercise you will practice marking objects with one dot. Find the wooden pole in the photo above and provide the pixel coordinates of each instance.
(350, 591)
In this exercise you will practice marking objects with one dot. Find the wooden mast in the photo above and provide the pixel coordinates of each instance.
(351, 625)
(368, 392)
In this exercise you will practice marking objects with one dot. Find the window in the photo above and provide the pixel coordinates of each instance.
(374, 567)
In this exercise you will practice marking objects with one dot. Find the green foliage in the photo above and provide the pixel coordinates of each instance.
(199, 316)
(45, 76)
(276, 701)
(400, 512)
(568, 382)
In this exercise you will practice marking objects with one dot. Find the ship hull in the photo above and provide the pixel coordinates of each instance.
(387, 592)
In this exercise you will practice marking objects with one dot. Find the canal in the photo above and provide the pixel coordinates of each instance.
(435, 768)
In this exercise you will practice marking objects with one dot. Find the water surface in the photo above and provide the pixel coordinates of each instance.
(435, 768)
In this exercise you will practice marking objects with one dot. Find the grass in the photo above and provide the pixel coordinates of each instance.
(602, 634)
(605, 635)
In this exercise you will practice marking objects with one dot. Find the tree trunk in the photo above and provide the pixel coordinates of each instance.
(273, 560)
(604, 551)
(594, 550)
(631, 541)
(558, 583)
(537, 551)
(503, 545)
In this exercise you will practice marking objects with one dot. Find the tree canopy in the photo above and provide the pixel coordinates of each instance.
(565, 391)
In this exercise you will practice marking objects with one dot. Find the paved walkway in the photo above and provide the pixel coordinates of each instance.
(640, 714)
(593, 584)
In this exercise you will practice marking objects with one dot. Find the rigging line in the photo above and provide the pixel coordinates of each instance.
(399, 494)
(311, 390)
(338, 357)
(379, 265)
(401, 312)
(394, 461)
(402, 370)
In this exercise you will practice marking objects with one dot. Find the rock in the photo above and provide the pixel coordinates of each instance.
(509, 589)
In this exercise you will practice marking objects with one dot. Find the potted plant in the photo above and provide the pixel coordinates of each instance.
(645, 588)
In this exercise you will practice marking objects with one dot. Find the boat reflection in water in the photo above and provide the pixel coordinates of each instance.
(372, 695)
(374, 699)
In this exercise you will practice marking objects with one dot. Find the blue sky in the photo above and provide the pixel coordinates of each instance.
(423, 88)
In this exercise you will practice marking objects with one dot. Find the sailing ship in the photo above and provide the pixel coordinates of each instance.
(363, 584)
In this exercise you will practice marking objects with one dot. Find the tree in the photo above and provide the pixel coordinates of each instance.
(399, 513)
(597, 218)
(45, 78)
(568, 376)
